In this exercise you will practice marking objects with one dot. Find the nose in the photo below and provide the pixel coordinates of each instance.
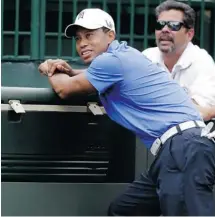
(165, 29)
(83, 43)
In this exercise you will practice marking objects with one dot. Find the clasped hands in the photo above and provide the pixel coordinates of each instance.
(50, 67)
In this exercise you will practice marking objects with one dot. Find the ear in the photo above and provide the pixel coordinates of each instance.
(111, 35)
(190, 33)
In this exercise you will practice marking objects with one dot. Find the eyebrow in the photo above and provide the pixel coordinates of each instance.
(87, 31)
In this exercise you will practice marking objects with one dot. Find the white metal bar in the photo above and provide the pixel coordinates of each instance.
(51, 108)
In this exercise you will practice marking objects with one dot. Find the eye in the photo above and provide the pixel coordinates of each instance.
(175, 26)
(88, 35)
(77, 38)
(163, 23)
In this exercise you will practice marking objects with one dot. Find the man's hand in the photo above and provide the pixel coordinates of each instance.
(50, 67)
(207, 112)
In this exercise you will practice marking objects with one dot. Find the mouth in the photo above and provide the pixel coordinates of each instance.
(165, 42)
(86, 54)
(165, 39)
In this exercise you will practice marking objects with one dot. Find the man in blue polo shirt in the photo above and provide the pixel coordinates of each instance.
(140, 96)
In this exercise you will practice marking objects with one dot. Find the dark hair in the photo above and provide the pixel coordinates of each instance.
(189, 13)
(105, 29)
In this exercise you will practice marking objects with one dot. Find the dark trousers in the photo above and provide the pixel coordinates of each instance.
(179, 182)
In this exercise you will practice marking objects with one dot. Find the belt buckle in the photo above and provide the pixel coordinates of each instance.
(156, 146)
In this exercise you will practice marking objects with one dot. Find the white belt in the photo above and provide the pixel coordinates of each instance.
(173, 131)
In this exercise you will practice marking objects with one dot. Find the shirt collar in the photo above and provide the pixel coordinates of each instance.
(113, 45)
(185, 61)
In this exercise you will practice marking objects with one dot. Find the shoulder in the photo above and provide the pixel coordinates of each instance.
(200, 55)
(106, 64)
(106, 61)
(104, 71)
(152, 53)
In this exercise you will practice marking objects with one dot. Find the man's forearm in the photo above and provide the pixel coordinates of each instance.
(77, 71)
(65, 85)
(59, 82)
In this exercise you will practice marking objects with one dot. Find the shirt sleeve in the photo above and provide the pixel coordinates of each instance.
(203, 88)
(104, 71)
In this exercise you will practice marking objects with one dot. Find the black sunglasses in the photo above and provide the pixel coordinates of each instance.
(172, 25)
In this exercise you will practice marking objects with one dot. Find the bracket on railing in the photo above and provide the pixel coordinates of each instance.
(16, 106)
(95, 109)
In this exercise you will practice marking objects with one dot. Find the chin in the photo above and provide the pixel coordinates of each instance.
(87, 61)
(166, 49)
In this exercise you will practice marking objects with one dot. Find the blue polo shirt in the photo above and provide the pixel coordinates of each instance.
(138, 94)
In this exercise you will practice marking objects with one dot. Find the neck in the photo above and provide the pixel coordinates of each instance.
(170, 59)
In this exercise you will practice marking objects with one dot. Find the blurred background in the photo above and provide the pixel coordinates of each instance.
(34, 29)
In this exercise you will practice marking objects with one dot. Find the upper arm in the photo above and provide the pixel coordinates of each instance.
(79, 84)
(104, 71)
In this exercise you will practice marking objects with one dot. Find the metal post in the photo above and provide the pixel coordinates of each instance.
(189, 2)
(2, 27)
(89, 3)
(132, 4)
(213, 27)
(16, 39)
(146, 22)
(59, 39)
(104, 4)
(42, 30)
(118, 20)
(202, 23)
(35, 8)
(74, 16)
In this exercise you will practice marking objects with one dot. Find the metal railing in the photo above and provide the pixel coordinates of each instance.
(34, 29)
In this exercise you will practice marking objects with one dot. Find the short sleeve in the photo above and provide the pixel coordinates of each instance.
(104, 71)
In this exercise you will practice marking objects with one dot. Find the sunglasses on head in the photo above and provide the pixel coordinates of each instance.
(172, 25)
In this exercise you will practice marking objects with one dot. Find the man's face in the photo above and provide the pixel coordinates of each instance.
(170, 41)
(91, 43)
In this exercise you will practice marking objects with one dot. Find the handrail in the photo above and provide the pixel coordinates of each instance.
(41, 96)
(46, 100)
